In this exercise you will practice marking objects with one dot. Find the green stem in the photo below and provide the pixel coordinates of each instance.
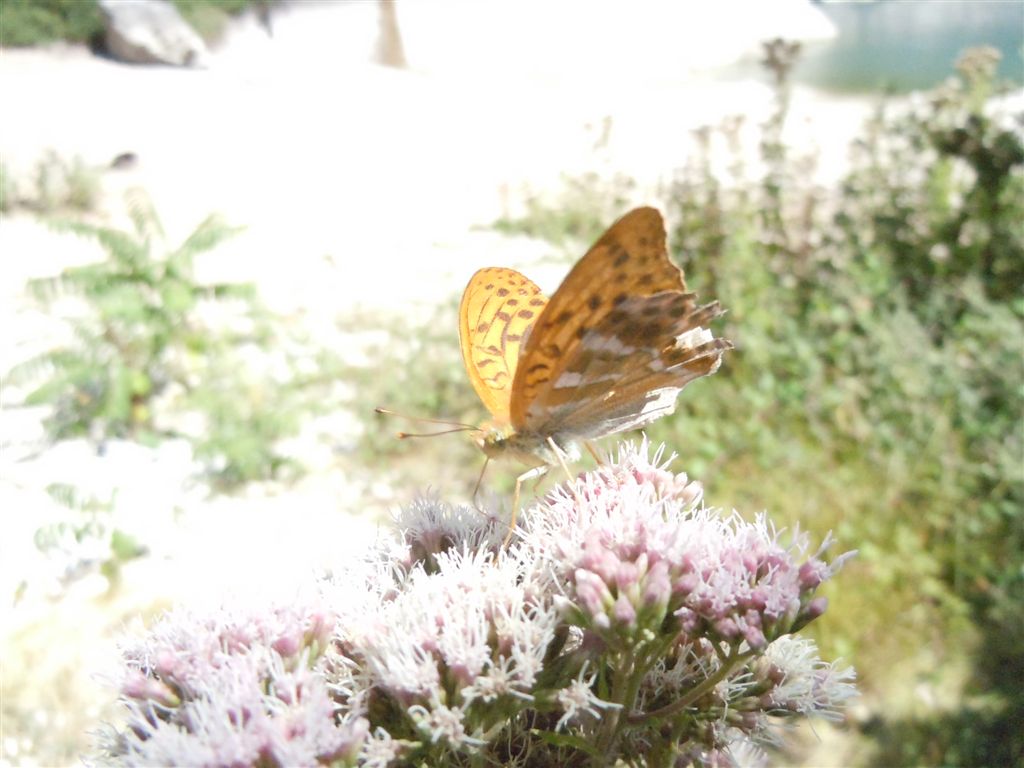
(609, 732)
(684, 701)
(625, 690)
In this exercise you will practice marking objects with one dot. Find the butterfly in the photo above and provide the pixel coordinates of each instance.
(608, 352)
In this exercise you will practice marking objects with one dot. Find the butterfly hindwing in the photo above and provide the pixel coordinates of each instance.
(566, 359)
(498, 309)
(632, 366)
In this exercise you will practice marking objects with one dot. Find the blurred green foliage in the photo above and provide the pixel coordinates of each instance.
(55, 184)
(134, 341)
(245, 415)
(143, 351)
(37, 22)
(85, 541)
(425, 379)
(585, 206)
(6, 189)
(209, 18)
(876, 389)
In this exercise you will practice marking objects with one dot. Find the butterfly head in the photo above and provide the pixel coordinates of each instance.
(495, 440)
(504, 442)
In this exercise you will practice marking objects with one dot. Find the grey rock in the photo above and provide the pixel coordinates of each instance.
(150, 32)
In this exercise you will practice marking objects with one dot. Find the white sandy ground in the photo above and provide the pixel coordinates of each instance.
(360, 187)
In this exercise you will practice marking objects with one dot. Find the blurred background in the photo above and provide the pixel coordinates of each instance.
(230, 228)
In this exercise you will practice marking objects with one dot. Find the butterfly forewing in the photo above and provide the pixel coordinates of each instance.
(563, 358)
(499, 307)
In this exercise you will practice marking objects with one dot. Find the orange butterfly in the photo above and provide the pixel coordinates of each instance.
(608, 352)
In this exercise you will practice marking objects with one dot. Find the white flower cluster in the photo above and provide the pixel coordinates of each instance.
(622, 611)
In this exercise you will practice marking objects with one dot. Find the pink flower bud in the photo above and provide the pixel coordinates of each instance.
(138, 686)
(812, 573)
(755, 637)
(592, 592)
(816, 607)
(689, 620)
(288, 645)
(624, 612)
(626, 575)
(657, 587)
(727, 628)
(167, 664)
(685, 584)
(598, 558)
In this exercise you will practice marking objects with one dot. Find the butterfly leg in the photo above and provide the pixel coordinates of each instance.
(560, 455)
(479, 480)
(595, 452)
(528, 475)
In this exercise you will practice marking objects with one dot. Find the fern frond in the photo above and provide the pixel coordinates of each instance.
(120, 246)
(32, 370)
(210, 233)
(143, 215)
(48, 289)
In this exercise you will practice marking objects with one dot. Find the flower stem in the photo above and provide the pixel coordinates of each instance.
(682, 702)
(609, 733)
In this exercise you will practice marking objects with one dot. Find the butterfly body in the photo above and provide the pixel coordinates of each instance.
(608, 352)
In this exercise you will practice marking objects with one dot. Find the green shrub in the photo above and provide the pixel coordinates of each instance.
(35, 22)
(61, 185)
(140, 354)
(84, 541)
(209, 18)
(422, 377)
(581, 213)
(140, 328)
(6, 189)
(244, 417)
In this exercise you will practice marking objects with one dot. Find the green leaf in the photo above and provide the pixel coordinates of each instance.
(125, 547)
(567, 740)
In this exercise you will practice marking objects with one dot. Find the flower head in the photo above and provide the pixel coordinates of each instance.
(632, 548)
(233, 688)
(624, 611)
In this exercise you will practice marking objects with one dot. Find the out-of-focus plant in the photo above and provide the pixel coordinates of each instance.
(580, 214)
(151, 346)
(34, 22)
(37, 22)
(136, 331)
(7, 192)
(626, 625)
(425, 377)
(210, 18)
(56, 185)
(84, 542)
(243, 418)
(937, 192)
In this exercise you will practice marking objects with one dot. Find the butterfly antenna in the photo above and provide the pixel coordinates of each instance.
(456, 426)
(405, 435)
